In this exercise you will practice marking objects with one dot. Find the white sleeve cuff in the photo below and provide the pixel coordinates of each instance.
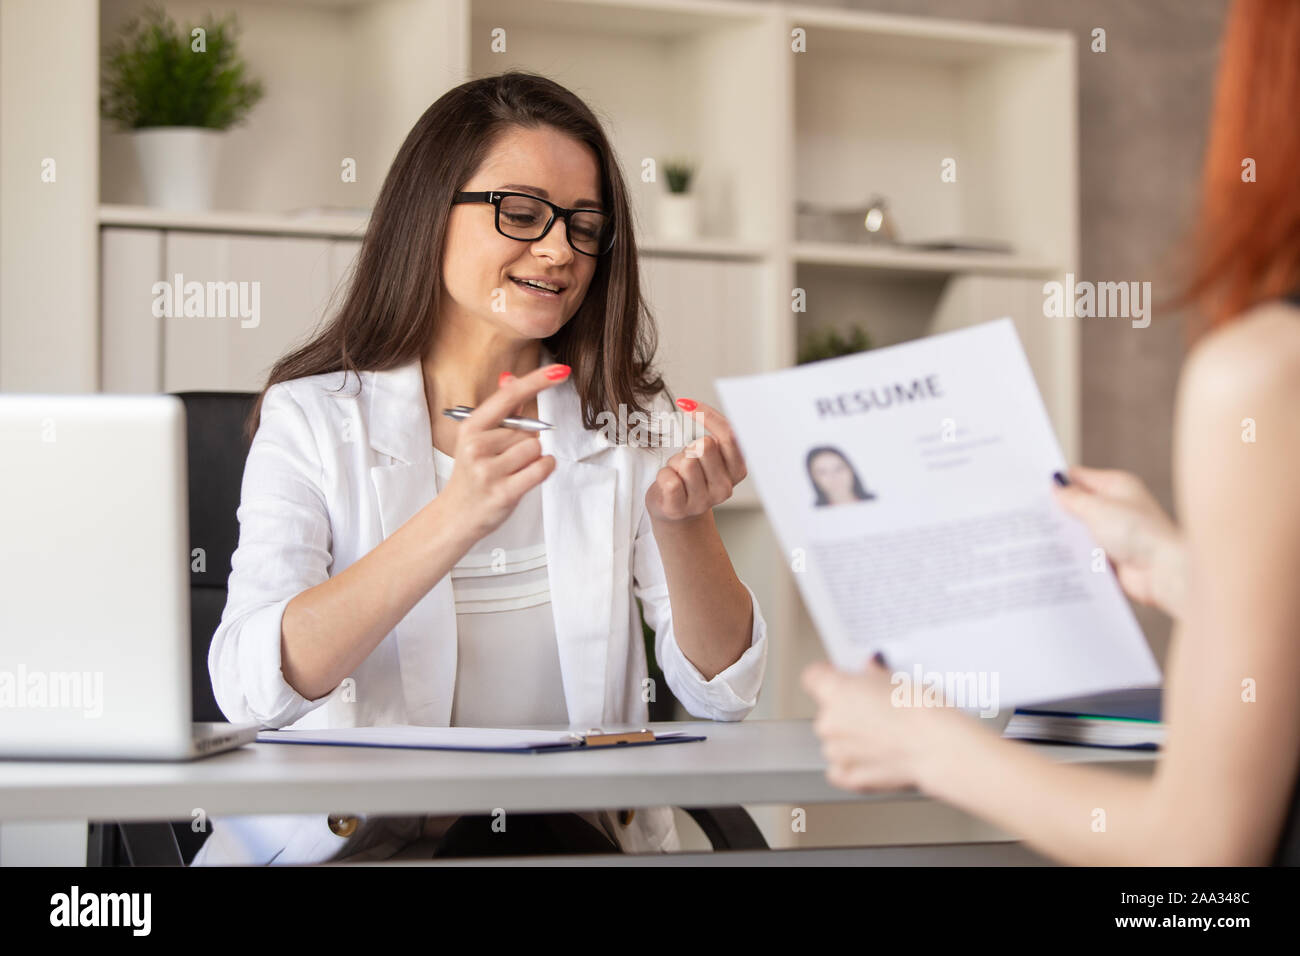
(731, 693)
(267, 699)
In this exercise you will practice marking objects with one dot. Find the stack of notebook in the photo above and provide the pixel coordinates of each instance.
(1126, 718)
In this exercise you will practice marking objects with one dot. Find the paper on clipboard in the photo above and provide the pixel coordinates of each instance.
(411, 736)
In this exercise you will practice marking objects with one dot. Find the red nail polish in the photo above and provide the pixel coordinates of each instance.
(556, 372)
(687, 404)
(503, 378)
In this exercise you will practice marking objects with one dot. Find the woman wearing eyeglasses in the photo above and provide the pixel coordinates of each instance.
(1225, 789)
(396, 566)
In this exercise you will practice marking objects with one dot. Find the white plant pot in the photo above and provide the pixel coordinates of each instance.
(178, 165)
(677, 216)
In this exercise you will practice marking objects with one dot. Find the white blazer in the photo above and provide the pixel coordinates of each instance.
(334, 470)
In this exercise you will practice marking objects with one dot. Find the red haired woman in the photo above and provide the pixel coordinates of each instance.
(1224, 792)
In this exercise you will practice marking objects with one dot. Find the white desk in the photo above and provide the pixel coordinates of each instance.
(746, 762)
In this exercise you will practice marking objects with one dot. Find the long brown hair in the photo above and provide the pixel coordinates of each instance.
(390, 310)
(1247, 242)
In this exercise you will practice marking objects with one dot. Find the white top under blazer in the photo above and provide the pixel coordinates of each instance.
(339, 463)
(507, 660)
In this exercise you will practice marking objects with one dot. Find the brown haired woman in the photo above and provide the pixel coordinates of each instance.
(376, 584)
(1224, 791)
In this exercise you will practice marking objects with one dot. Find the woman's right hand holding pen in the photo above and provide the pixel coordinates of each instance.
(1142, 543)
(496, 466)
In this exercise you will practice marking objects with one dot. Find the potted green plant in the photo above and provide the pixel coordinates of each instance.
(827, 343)
(176, 93)
(677, 213)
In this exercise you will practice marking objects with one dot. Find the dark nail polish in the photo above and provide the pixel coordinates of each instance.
(1061, 479)
(879, 658)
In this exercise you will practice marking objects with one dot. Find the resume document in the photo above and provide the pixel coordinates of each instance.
(910, 489)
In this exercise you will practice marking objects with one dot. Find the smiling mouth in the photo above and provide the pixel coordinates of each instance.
(539, 290)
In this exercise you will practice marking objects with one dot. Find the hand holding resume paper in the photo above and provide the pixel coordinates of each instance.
(910, 487)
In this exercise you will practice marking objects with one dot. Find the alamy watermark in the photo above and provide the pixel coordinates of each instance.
(657, 429)
(968, 690)
(133, 911)
(1116, 300)
(53, 690)
(208, 300)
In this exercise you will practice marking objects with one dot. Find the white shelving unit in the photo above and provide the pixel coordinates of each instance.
(870, 104)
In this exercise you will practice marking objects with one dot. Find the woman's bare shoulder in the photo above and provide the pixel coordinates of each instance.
(1253, 359)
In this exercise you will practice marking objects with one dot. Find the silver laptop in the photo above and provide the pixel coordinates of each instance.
(95, 581)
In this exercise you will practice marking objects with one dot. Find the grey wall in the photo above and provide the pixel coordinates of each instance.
(1143, 112)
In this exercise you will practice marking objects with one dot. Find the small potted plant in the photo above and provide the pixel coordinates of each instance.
(176, 93)
(828, 343)
(677, 213)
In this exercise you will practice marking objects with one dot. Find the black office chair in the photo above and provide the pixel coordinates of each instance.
(216, 453)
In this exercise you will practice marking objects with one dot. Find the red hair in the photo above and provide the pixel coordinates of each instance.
(1246, 246)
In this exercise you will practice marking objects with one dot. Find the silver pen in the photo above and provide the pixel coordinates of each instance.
(462, 412)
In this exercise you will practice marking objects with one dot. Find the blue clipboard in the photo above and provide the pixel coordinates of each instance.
(595, 739)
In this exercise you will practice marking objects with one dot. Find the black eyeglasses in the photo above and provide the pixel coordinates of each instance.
(528, 218)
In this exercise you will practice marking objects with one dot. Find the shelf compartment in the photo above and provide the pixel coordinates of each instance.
(881, 104)
(890, 259)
